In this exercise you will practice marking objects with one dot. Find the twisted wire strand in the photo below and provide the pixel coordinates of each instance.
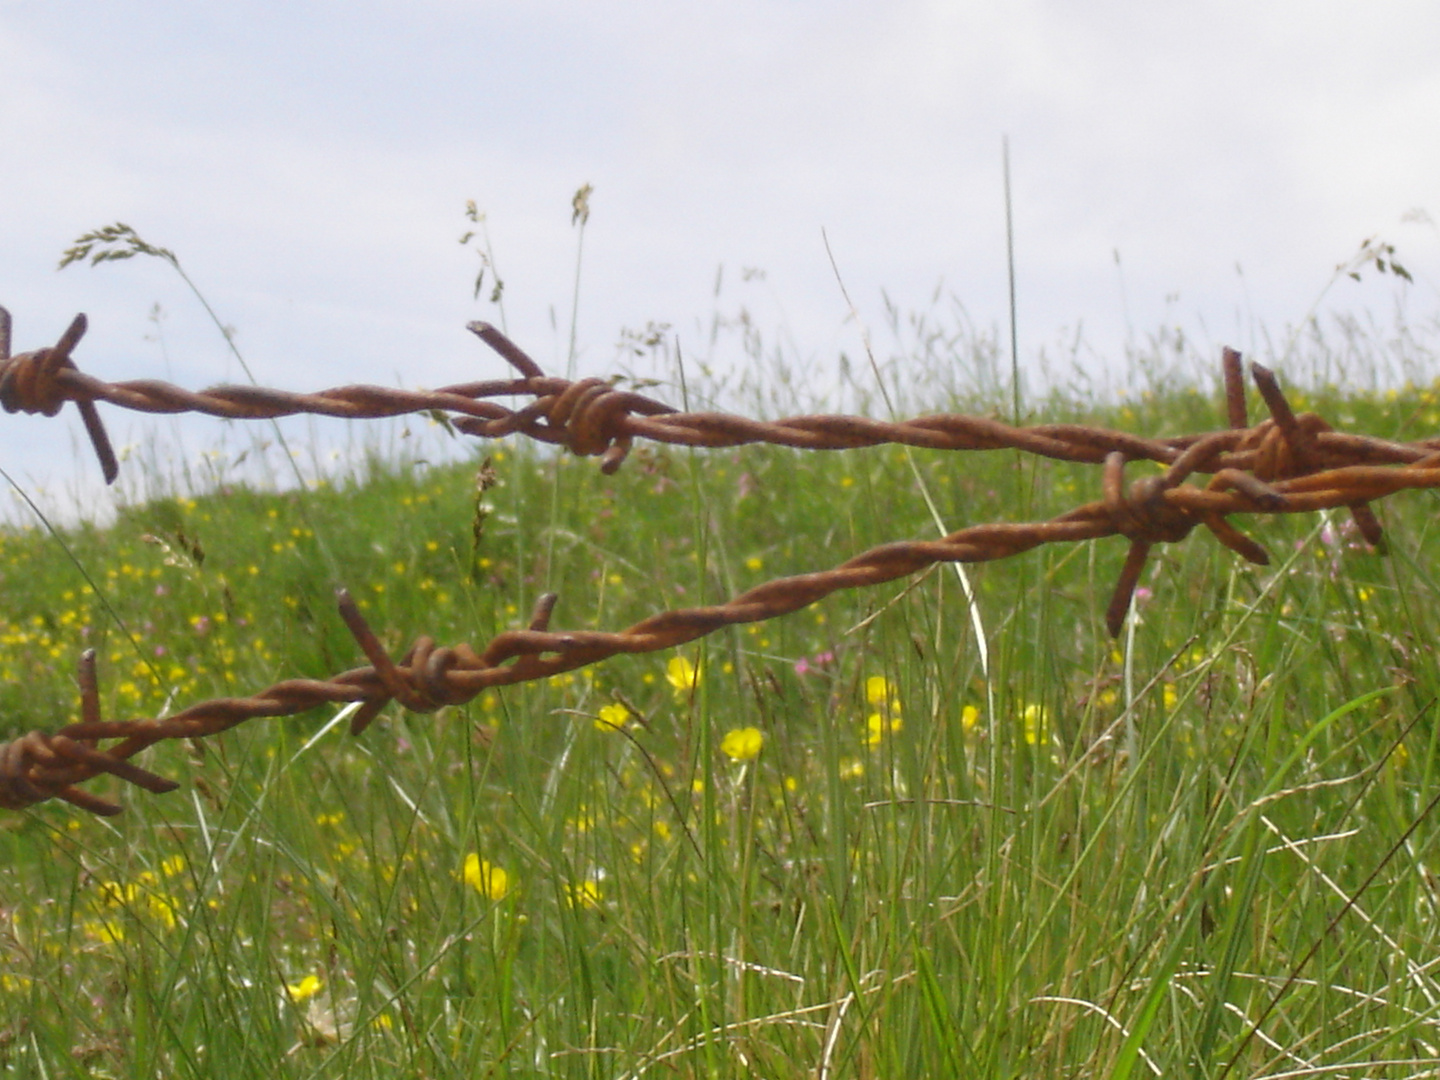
(591, 417)
(1286, 464)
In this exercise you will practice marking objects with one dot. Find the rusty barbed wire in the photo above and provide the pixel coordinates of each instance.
(1285, 464)
(592, 417)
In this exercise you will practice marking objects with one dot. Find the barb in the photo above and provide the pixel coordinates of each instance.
(34, 382)
(1285, 464)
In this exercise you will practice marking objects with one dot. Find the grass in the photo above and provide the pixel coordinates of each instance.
(829, 846)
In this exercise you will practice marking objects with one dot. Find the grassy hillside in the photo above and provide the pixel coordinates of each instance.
(862, 840)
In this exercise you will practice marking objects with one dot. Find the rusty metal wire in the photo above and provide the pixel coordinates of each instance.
(1284, 464)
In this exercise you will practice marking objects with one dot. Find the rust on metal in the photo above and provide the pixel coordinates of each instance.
(31, 383)
(1285, 464)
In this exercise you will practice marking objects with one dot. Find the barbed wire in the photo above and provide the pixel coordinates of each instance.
(1285, 464)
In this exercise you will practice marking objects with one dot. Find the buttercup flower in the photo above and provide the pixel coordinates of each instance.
(1036, 719)
(851, 768)
(612, 717)
(681, 674)
(878, 726)
(878, 691)
(491, 882)
(584, 894)
(306, 988)
(885, 719)
(742, 744)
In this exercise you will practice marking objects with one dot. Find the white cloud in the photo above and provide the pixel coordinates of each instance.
(309, 163)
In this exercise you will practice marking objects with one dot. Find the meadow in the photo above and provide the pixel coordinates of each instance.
(945, 827)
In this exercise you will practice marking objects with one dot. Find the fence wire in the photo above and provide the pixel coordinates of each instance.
(1285, 464)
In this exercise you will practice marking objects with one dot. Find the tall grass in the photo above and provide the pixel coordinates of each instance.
(1086, 858)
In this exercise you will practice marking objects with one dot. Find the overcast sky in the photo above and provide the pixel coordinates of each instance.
(310, 163)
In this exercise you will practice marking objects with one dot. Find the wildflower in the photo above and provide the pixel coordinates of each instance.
(754, 563)
(969, 718)
(584, 819)
(742, 744)
(104, 931)
(804, 665)
(878, 690)
(114, 894)
(877, 726)
(612, 717)
(491, 882)
(1036, 719)
(682, 675)
(885, 719)
(305, 989)
(586, 894)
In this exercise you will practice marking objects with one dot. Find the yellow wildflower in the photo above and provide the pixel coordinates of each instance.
(681, 674)
(306, 988)
(742, 744)
(491, 882)
(1036, 719)
(585, 894)
(612, 717)
(878, 726)
(879, 691)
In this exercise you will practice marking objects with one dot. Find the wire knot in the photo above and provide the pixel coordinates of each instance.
(41, 766)
(589, 419)
(31, 383)
(420, 681)
(1284, 451)
(1143, 513)
(1146, 518)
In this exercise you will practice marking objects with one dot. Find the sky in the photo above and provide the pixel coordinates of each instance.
(1201, 166)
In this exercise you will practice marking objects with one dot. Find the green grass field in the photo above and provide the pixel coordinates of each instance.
(858, 841)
